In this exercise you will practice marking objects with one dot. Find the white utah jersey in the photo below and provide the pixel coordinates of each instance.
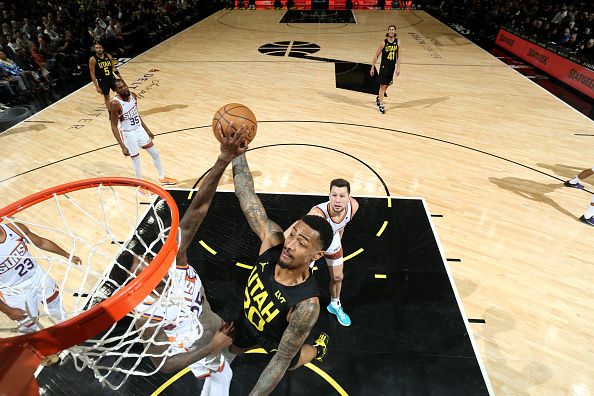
(181, 317)
(346, 217)
(129, 118)
(16, 264)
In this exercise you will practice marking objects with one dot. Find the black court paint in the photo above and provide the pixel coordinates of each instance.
(408, 335)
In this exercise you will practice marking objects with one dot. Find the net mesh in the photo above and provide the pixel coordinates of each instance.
(109, 228)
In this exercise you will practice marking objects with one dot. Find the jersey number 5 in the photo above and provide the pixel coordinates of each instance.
(106, 70)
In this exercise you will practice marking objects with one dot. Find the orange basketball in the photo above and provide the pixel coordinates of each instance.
(238, 114)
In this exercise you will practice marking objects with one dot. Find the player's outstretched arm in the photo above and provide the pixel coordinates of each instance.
(114, 111)
(303, 319)
(378, 51)
(270, 233)
(43, 243)
(230, 148)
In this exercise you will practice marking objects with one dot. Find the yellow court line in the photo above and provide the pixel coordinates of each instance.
(389, 202)
(205, 246)
(257, 350)
(313, 368)
(244, 265)
(190, 194)
(328, 379)
(381, 276)
(170, 381)
(350, 256)
(382, 229)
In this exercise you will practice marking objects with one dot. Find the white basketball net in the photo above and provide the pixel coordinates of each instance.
(105, 226)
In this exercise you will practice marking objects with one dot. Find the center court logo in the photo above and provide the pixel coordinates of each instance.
(296, 49)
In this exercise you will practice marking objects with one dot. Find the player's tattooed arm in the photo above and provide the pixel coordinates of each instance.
(270, 233)
(303, 319)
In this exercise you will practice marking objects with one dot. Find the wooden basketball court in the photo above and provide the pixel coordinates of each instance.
(486, 148)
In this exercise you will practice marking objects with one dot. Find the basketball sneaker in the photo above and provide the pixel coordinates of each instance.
(577, 185)
(321, 346)
(377, 102)
(589, 221)
(342, 317)
(382, 109)
(167, 181)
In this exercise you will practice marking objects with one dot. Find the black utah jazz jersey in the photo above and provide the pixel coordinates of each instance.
(267, 302)
(103, 68)
(390, 52)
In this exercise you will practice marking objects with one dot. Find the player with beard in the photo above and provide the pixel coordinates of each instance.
(281, 304)
(132, 134)
(103, 72)
(390, 50)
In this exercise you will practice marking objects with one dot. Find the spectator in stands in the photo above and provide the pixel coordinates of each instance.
(40, 59)
(13, 73)
(572, 43)
(51, 32)
(21, 41)
(587, 50)
(560, 15)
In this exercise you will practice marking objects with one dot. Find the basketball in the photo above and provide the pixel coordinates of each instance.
(238, 114)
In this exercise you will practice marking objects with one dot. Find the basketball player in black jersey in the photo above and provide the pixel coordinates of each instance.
(102, 69)
(281, 303)
(390, 50)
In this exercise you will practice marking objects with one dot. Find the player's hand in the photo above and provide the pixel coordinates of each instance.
(16, 313)
(372, 71)
(125, 151)
(222, 338)
(233, 145)
(397, 72)
(76, 260)
(99, 90)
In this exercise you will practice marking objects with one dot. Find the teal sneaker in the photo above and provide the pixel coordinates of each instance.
(342, 317)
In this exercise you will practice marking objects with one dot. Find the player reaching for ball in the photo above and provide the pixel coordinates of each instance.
(202, 354)
(132, 133)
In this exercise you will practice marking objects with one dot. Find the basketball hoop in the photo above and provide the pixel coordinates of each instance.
(91, 309)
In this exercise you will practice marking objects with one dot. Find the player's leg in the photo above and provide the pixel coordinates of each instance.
(334, 260)
(220, 380)
(146, 143)
(131, 142)
(588, 217)
(575, 182)
(48, 295)
(23, 298)
(308, 352)
(105, 88)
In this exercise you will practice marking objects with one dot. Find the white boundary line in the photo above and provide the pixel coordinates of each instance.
(509, 67)
(460, 306)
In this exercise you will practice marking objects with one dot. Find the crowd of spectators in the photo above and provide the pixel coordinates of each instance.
(44, 43)
(569, 27)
